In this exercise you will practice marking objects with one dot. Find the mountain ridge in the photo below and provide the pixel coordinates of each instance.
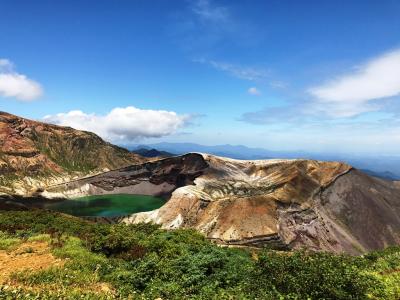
(387, 167)
(33, 152)
(151, 152)
(276, 203)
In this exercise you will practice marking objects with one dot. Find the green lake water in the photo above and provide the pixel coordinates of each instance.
(107, 205)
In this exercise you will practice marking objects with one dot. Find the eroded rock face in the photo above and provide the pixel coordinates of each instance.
(367, 207)
(282, 204)
(356, 213)
(241, 202)
(35, 154)
(157, 178)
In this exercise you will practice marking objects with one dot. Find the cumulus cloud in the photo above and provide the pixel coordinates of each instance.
(15, 85)
(254, 91)
(125, 125)
(360, 91)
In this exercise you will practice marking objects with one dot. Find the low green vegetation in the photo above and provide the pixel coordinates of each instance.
(142, 261)
(7, 241)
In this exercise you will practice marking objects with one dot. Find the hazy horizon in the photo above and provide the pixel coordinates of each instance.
(320, 77)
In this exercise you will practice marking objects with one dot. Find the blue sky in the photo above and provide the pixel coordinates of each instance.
(319, 76)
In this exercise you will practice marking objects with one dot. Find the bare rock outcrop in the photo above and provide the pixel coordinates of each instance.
(157, 178)
(282, 204)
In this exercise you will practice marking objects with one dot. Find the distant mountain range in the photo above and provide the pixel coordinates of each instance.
(387, 167)
(237, 152)
(151, 152)
(385, 175)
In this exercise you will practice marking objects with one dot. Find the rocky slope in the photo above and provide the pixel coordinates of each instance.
(157, 178)
(35, 154)
(282, 204)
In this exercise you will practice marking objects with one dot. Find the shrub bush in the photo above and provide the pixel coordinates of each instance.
(145, 262)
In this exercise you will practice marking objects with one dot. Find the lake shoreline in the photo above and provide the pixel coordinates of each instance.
(109, 205)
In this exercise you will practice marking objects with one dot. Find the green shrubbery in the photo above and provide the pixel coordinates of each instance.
(7, 240)
(144, 262)
(314, 275)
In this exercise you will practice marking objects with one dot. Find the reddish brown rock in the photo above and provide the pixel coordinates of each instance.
(282, 204)
(41, 151)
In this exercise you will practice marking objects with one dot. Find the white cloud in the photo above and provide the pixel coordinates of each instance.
(254, 91)
(208, 12)
(6, 65)
(19, 86)
(123, 124)
(246, 73)
(255, 74)
(15, 85)
(355, 93)
(277, 84)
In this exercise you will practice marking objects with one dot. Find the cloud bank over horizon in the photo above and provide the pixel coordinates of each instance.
(123, 124)
(361, 91)
(15, 85)
(370, 88)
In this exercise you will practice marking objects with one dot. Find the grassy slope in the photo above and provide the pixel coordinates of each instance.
(80, 151)
(44, 151)
(145, 262)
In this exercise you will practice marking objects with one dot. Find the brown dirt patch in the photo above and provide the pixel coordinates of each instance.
(388, 272)
(33, 256)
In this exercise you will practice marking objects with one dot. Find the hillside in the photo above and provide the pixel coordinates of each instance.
(45, 255)
(151, 153)
(34, 154)
(281, 204)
